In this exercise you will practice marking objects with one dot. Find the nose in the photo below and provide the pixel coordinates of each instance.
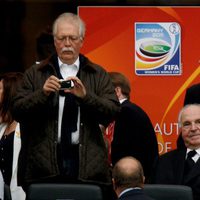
(194, 126)
(67, 41)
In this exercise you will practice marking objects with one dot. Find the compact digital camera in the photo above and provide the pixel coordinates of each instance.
(66, 84)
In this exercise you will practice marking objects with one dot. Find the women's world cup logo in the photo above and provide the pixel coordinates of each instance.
(157, 49)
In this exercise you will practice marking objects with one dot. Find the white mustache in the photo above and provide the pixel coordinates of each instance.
(67, 49)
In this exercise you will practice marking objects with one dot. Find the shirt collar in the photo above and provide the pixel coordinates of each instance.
(129, 189)
(76, 63)
(195, 157)
(122, 100)
(197, 150)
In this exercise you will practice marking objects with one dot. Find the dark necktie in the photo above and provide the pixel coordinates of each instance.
(69, 118)
(189, 163)
(68, 157)
(69, 122)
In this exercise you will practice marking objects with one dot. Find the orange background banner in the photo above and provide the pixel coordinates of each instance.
(110, 42)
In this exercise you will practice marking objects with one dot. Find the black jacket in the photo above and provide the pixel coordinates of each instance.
(170, 170)
(38, 117)
(136, 194)
(134, 136)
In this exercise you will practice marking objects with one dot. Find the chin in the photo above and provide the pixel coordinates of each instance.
(67, 58)
(195, 143)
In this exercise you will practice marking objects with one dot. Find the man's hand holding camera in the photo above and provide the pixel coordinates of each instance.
(78, 88)
(51, 85)
(71, 84)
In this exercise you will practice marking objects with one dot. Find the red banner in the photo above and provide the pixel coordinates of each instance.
(110, 41)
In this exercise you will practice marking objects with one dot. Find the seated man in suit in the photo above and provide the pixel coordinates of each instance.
(182, 166)
(192, 95)
(128, 179)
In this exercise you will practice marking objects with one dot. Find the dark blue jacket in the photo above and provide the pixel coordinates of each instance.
(135, 194)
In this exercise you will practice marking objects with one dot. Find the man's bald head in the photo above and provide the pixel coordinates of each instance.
(128, 172)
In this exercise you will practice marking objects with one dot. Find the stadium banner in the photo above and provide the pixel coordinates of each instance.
(157, 48)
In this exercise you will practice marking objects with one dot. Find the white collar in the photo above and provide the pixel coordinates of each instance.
(197, 150)
(129, 189)
(122, 100)
(196, 156)
(76, 63)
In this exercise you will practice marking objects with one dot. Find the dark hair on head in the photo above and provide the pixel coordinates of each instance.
(11, 81)
(45, 44)
(119, 80)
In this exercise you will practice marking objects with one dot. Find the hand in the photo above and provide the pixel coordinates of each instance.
(78, 89)
(51, 85)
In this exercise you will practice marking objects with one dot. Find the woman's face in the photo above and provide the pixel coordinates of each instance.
(1, 90)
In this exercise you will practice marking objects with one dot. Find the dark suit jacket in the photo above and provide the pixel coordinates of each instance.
(134, 136)
(170, 170)
(192, 94)
(136, 194)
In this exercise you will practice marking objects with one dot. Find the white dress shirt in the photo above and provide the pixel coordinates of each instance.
(1, 186)
(196, 156)
(66, 71)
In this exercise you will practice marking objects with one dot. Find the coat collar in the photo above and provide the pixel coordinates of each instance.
(125, 102)
(52, 62)
(134, 191)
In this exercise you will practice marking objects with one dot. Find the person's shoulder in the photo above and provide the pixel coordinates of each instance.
(172, 154)
(138, 107)
(49, 62)
(194, 87)
(38, 67)
(136, 194)
(90, 65)
(128, 103)
(133, 107)
(33, 67)
(128, 106)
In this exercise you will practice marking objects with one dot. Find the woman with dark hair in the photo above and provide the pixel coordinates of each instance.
(10, 142)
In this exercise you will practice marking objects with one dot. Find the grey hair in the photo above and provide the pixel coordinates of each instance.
(71, 17)
(182, 110)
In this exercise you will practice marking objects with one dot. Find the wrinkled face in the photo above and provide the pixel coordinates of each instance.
(190, 126)
(67, 41)
(1, 90)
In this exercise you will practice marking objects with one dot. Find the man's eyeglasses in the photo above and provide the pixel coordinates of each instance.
(189, 125)
(70, 38)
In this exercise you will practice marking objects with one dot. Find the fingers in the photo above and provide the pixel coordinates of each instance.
(51, 85)
(78, 89)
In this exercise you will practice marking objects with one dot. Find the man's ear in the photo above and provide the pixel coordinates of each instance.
(113, 182)
(143, 179)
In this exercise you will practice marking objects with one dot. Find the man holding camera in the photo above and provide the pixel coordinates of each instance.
(59, 106)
